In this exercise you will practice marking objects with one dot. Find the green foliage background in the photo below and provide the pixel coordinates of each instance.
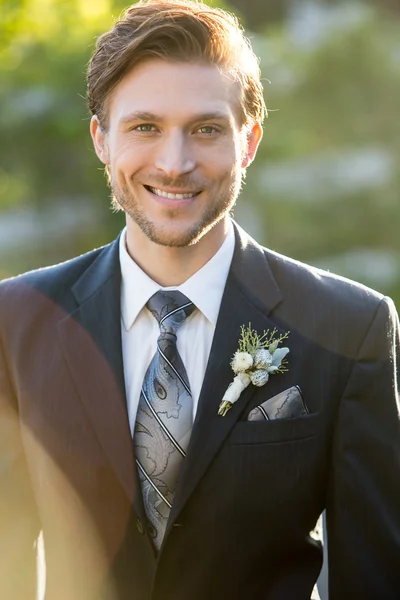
(325, 101)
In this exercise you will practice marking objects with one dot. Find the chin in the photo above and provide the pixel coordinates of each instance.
(170, 236)
(178, 235)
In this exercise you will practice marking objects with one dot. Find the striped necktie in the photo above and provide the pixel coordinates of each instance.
(165, 413)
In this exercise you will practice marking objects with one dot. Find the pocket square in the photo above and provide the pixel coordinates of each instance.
(286, 405)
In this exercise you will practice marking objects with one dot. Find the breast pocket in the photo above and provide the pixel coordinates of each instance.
(275, 431)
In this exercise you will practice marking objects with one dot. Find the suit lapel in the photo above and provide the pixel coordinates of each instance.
(91, 340)
(250, 294)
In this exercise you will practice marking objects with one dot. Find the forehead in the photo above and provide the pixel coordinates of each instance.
(174, 90)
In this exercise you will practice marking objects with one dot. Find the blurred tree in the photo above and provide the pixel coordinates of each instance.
(326, 180)
(258, 14)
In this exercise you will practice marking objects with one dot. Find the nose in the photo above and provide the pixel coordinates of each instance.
(174, 155)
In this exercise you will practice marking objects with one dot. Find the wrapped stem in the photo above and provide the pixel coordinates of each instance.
(240, 382)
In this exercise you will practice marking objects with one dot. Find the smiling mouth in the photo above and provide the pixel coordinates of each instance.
(163, 194)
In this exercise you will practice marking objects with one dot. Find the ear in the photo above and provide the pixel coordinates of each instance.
(99, 138)
(253, 139)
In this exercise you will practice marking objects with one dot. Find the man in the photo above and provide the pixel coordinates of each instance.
(112, 439)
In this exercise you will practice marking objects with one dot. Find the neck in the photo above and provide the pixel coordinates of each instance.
(172, 266)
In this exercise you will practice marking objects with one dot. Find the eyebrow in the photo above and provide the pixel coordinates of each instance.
(149, 116)
(139, 116)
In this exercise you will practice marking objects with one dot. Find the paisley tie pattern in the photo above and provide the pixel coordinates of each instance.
(165, 413)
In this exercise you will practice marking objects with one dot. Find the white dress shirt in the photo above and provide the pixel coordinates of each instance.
(140, 329)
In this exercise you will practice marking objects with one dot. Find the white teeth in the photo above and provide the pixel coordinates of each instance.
(171, 196)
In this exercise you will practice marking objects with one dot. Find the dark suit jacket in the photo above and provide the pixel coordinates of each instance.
(249, 493)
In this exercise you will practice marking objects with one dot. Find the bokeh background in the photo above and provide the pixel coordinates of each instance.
(324, 187)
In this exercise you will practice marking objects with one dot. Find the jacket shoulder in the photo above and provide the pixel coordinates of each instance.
(51, 281)
(333, 311)
(320, 285)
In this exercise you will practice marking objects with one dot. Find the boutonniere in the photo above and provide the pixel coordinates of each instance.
(257, 358)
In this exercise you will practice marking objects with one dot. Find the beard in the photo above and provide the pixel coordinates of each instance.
(213, 212)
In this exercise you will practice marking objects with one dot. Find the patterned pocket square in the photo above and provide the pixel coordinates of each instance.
(286, 405)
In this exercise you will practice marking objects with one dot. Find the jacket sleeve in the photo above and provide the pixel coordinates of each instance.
(363, 498)
(19, 523)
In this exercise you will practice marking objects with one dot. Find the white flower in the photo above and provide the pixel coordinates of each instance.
(259, 377)
(242, 361)
(262, 359)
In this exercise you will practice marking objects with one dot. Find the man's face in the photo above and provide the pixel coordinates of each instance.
(175, 148)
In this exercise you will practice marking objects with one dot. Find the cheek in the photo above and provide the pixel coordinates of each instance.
(225, 169)
(128, 160)
(219, 162)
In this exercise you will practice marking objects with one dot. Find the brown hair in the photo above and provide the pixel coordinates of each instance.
(181, 30)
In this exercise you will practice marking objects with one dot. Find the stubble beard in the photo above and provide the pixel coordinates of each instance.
(124, 199)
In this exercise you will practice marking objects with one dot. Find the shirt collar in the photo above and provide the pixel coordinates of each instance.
(204, 288)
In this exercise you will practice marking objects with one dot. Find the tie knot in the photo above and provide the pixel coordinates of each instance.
(170, 309)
